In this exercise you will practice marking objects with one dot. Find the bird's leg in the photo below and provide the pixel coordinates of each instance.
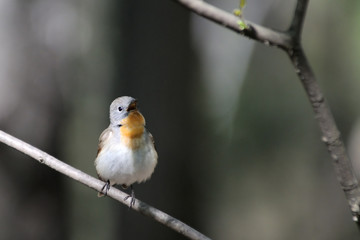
(132, 201)
(106, 187)
(132, 196)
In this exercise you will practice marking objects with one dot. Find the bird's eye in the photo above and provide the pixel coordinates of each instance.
(120, 109)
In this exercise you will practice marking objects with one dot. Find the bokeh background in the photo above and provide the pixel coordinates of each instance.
(240, 151)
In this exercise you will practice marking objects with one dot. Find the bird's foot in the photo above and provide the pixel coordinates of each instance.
(104, 189)
(132, 201)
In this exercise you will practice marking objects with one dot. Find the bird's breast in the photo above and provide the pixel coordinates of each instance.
(132, 129)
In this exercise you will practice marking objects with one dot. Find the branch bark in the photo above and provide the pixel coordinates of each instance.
(331, 135)
(290, 42)
(96, 184)
(228, 20)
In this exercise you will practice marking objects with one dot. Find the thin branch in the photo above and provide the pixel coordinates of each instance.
(228, 20)
(290, 41)
(331, 135)
(298, 19)
(96, 184)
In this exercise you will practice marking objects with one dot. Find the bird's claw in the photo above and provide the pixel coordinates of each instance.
(105, 188)
(132, 201)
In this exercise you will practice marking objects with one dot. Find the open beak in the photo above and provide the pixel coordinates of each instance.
(132, 106)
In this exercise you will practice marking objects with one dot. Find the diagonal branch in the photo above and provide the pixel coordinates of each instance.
(330, 134)
(96, 184)
(228, 20)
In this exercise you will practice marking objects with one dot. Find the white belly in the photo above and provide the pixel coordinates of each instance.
(123, 165)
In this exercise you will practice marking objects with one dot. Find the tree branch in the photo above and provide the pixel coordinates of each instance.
(96, 184)
(298, 19)
(290, 41)
(228, 20)
(331, 135)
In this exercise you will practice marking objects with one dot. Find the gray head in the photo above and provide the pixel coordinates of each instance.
(120, 108)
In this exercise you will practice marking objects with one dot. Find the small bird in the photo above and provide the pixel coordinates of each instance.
(126, 152)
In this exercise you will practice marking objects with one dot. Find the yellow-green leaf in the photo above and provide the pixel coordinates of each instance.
(242, 25)
(242, 4)
(237, 12)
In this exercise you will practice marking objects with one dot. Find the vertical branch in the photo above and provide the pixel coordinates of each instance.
(297, 22)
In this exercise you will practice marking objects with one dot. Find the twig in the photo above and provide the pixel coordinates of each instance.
(290, 41)
(96, 184)
(228, 20)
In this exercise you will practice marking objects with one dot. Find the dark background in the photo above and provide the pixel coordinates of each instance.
(240, 155)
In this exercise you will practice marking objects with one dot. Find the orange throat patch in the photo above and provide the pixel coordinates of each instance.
(132, 129)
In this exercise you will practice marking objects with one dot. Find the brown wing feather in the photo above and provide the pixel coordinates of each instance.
(102, 139)
(152, 139)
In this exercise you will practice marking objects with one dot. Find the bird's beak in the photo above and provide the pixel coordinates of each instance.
(132, 106)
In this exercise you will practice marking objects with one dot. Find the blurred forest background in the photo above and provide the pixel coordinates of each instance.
(240, 155)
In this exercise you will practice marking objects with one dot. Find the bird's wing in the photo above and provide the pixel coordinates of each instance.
(151, 138)
(103, 139)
